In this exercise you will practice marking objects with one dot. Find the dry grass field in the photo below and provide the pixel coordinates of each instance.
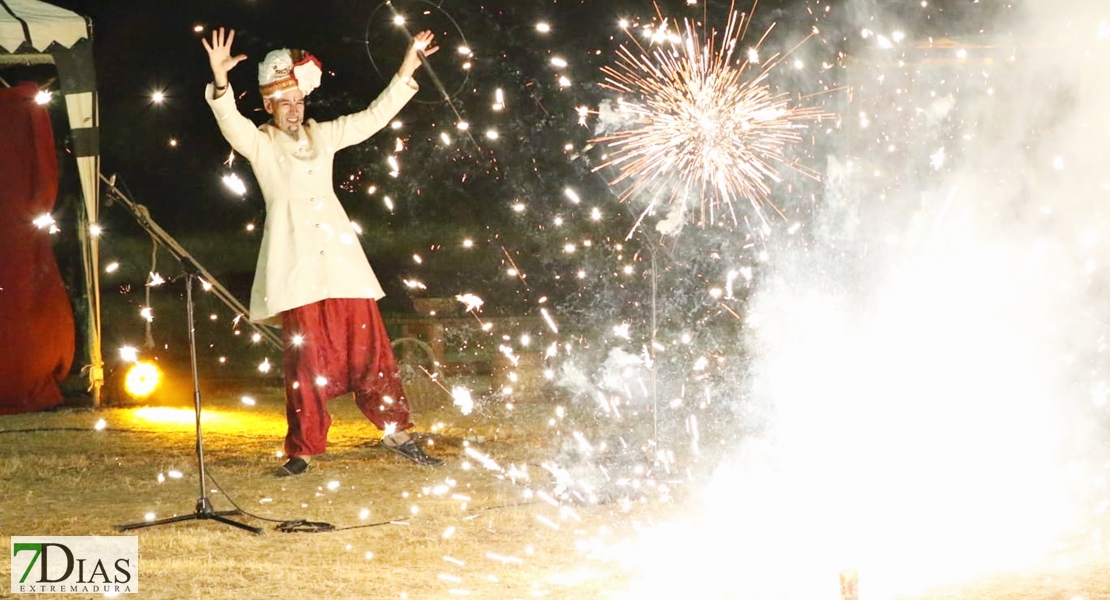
(403, 531)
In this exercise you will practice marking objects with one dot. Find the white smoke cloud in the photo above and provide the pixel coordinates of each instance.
(621, 373)
(933, 361)
(612, 118)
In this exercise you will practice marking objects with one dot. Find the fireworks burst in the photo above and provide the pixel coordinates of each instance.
(705, 126)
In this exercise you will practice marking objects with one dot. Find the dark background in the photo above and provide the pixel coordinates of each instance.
(445, 192)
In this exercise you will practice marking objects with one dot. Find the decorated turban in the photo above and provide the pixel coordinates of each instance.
(287, 69)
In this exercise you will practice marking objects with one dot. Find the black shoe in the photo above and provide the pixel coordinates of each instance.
(415, 453)
(294, 466)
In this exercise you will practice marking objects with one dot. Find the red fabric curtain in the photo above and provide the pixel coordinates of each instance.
(36, 320)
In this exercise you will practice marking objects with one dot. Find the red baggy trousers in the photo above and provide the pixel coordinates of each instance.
(334, 347)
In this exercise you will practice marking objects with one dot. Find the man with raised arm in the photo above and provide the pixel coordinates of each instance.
(313, 279)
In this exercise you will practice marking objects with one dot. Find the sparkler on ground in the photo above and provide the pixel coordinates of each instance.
(706, 128)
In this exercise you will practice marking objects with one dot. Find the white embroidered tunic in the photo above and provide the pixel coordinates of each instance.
(310, 250)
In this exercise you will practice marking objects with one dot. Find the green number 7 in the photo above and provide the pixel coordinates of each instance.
(19, 547)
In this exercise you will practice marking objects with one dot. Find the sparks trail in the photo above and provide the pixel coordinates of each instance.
(519, 274)
(705, 128)
(431, 72)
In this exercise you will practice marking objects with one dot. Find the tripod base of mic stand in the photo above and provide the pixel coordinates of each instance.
(203, 512)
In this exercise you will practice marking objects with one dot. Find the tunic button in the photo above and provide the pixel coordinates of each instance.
(310, 171)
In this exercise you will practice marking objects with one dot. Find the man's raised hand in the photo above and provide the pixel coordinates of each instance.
(219, 55)
(421, 47)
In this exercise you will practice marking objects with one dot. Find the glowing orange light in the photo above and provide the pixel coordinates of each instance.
(142, 379)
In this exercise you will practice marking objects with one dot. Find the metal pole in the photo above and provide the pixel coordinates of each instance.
(654, 331)
(202, 503)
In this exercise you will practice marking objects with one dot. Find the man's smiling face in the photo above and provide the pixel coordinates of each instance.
(287, 110)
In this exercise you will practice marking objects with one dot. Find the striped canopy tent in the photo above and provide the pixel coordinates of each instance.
(34, 33)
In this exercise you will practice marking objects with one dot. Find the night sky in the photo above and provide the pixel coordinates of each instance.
(141, 49)
(171, 158)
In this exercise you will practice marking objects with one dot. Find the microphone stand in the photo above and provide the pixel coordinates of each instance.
(203, 510)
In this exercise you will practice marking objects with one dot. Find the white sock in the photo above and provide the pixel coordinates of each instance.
(396, 438)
